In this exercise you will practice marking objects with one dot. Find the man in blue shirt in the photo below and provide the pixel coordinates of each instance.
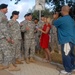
(66, 36)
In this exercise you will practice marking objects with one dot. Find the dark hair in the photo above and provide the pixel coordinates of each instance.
(42, 15)
(59, 14)
(36, 19)
(14, 13)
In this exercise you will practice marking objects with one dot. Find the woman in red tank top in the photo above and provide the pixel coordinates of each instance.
(44, 39)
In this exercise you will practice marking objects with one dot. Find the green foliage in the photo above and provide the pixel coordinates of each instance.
(45, 12)
(59, 3)
(35, 14)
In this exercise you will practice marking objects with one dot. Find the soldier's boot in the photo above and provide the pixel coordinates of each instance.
(32, 60)
(14, 65)
(22, 59)
(18, 61)
(13, 68)
(27, 60)
(1, 67)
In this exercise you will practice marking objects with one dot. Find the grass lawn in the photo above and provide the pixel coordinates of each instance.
(55, 57)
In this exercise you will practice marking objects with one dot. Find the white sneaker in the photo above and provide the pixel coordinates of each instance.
(73, 70)
(64, 72)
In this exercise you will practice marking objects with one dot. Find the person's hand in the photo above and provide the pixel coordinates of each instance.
(21, 24)
(55, 16)
(8, 40)
(38, 29)
(27, 28)
(12, 41)
(10, 24)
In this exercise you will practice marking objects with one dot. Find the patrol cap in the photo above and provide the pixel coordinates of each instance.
(28, 14)
(2, 6)
(15, 12)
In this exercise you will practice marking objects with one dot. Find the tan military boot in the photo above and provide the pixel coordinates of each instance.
(22, 59)
(13, 68)
(1, 67)
(27, 60)
(14, 65)
(18, 61)
(32, 60)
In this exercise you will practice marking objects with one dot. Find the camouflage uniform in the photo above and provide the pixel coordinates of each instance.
(5, 50)
(16, 36)
(37, 47)
(54, 43)
(29, 37)
(41, 23)
(22, 24)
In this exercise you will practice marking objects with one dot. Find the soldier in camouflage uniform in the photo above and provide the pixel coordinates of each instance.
(40, 25)
(16, 36)
(54, 41)
(22, 24)
(37, 47)
(41, 22)
(5, 49)
(29, 39)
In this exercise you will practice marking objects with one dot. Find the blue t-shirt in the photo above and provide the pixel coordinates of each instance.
(65, 29)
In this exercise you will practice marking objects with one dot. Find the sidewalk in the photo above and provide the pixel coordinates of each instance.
(38, 68)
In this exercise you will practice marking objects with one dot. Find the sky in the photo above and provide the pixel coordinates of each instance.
(23, 6)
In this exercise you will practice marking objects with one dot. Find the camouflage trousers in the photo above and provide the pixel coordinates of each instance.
(5, 52)
(1, 56)
(54, 42)
(16, 49)
(37, 42)
(29, 47)
(22, 48)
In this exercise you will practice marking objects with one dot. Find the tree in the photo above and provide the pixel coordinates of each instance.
(45, 12)
(59, 3)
